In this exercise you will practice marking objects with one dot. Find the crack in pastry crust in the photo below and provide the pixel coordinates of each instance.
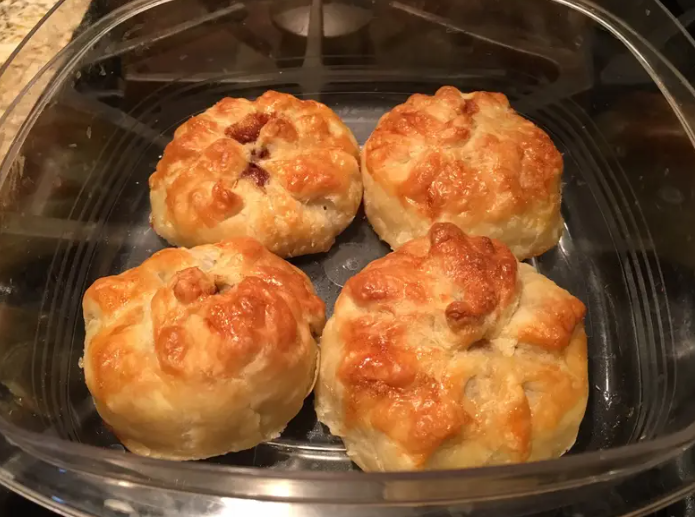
(465, 158)
(279, 169)
(199, 352)
(448, 353)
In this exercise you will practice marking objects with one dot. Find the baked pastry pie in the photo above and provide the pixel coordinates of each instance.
(198, 352)
(448, 353)
(279, 169)
(468, 159)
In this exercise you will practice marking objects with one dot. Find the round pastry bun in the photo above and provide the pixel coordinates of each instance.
(448, 353)
(468, 159)
(199, 352)
(278, 169)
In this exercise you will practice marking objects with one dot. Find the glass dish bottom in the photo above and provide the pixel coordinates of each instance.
(604, 257)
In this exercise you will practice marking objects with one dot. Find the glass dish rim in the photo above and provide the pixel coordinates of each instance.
(661, 446)
(672, 443)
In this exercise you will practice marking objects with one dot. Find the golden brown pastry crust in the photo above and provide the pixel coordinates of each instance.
(279, 169)
(447, 353)
(465, 158)
(198, 352)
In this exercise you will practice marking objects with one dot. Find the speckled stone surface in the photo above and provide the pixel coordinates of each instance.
(17, 18)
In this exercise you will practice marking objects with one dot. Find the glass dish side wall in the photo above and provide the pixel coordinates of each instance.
(75, 208)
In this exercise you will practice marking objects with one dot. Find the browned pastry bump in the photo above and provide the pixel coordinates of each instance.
(279, 169)
(199, 352)
(468, 159)
(448, 353)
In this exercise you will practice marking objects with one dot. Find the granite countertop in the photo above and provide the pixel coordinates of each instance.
(17, 18)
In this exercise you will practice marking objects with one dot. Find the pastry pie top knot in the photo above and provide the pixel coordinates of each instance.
(279, 169)
(448, 353)
(465, 158)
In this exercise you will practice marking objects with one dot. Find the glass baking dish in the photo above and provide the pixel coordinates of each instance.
(81, 139)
